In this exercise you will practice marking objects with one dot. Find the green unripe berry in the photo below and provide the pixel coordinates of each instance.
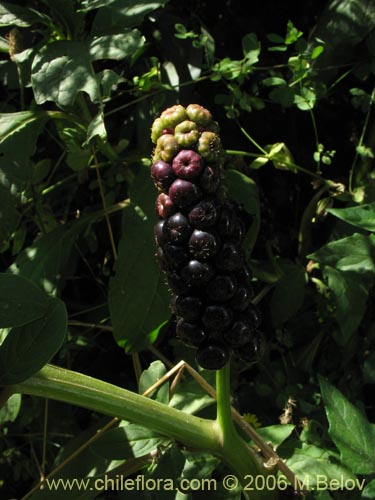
(186, 133)
(166, 148)
(173, 116)
(209, 146)
(198, 114)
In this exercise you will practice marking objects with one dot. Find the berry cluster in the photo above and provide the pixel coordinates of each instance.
(199, 236)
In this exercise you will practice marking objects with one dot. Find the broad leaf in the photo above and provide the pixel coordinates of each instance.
(15, 15)
(362, 216)
(47, 260)
(350, 430)
(276, 434)
(116, 46)
(20, 301)
(28, 348)
(129, 441)
(289, 293)
(149, 377)
(117, 14)
(354, 253)
(369, 492)
(9, 412)
(13, 122)
(138, 297)
(244, 190)
(61, 70)
(9, 217)
(350, 294)
(314, 467)
(190, 397)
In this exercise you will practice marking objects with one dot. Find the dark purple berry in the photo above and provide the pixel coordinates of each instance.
(204, 214)
(242, 298)
(254, 316)
(202, 245)
(187, 164)
(162, 174)
(209, 180)
(160, 238)
(165, 206)
(184, 193)
(238, 334)
(197, 273)
(230, 257)
(171, 257)
(190, 334)
(222, 288)
(177, 284)
(188, 307)
(177, 228)
(217, 318)
(212, 356)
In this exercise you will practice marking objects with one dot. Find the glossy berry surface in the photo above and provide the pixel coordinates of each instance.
(188, 307)
(217, 318)
(162, 174)
(222, 288)
(177, 228)
(184, 193)
(197, 273)
(204, 214)
(203, 245)
(199, 238)
(212, 356)
(190, 333)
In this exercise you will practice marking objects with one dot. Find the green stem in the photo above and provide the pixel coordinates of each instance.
(216, 437)
(235, 451)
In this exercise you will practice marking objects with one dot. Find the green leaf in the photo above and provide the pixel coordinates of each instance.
(350, 293)
(28, 348)
(292, 34)
(9, 217)
(75, 139)
(289, 293)
(369, 369)
(362, 216)
(251, 47)
(117, 14)
(46, 261)
(273, 81)
(318, 469)
(96, 128)
(244, 190)
(354, 253)
(191, 398)
(259, 162)
(117, 46)
(138, 297)
(128, 441)
(149, 377)
(369, 491)
(9, 412)
(283, 95)
(11, 123)
(350, 430)
(275, 434)
(61, 70)
(20, 301)
(15, 15)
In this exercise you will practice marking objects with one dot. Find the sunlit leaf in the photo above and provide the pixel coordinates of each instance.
(350, 430)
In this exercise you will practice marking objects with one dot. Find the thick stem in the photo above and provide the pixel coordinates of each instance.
(78, 389)
(216, 437)
(243, 459)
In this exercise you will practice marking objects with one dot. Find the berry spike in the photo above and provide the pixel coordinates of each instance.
(198, 237)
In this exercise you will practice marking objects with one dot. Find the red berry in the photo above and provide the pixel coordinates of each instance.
(202, 245)
(162, 174)
(177, 228)
(187, 164)
(204, 214)
(165, 206)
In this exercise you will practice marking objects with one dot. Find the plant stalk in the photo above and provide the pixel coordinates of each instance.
(217, 437)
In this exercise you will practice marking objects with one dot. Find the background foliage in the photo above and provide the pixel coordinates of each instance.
(292, 86)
